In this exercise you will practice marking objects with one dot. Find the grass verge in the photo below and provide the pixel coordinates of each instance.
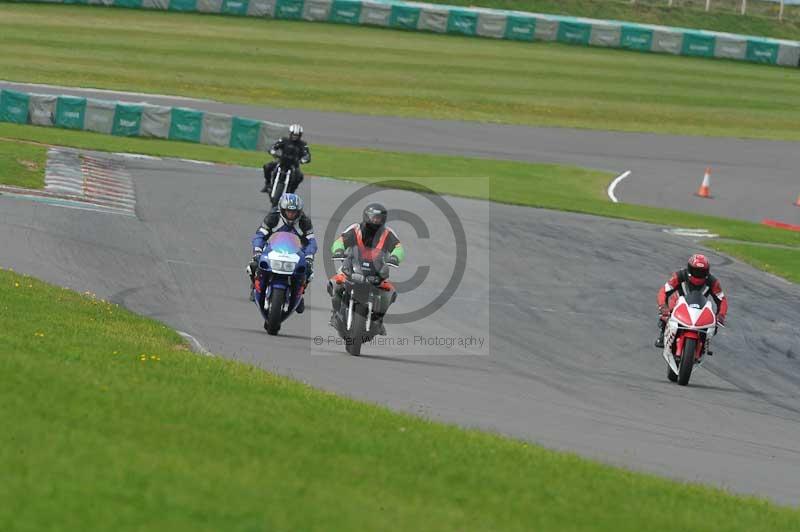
(110, 424)
(21, 164)
(548, 186)
(323, 66)
(780, 261)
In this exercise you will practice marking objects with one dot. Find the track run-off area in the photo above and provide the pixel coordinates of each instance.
(560, 307)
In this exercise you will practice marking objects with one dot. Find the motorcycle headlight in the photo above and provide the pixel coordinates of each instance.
(281, 265)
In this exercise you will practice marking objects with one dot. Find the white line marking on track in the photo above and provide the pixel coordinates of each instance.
(696, 233)
(614, 184)
(198, 347)
(138, 156)
(205, 163)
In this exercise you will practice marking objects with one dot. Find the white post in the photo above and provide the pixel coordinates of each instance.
(669, 3)
(708, 5)
(780, 13)
(744, 7)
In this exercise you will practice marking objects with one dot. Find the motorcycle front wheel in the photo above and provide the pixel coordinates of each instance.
(687, 361)
(275, 315)
(356, 334)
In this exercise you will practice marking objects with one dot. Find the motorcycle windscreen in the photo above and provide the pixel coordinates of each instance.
(696, 299)
(285, 242)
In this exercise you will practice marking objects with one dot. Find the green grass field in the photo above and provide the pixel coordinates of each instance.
(761, 18)
(264, 62)
(22, 165)
(780, 261)
(110, 424)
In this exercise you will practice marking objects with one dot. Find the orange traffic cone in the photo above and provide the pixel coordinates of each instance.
(705, 187)
(797, 201)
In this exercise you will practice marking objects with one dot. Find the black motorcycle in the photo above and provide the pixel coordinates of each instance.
(283, 176)
(359, 317)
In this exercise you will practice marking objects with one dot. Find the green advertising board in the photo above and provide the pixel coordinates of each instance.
(133, 4)
(185, 124)
(346, 11)
(70, 112)
(762, 51)
(636, 38)
(244, 133)
(289, 9)
(405, 17)
(698, 44)
(574, 32)
(235, 7)
(183, 5)
(462, 21)
(127, 120)
(14, 107)
(520, 28)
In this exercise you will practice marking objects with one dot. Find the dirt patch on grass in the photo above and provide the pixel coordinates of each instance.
(30, 165)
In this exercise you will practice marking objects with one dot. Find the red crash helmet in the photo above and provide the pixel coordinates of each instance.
(698, 269)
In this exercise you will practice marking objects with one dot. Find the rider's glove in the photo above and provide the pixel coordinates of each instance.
(338, 254)
(663, 311)
(721, 319)
(257, 254)
(394, 261)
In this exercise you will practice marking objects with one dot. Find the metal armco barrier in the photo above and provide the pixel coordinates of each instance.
(137, 120)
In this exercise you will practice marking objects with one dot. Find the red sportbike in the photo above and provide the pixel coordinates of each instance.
(691, 325)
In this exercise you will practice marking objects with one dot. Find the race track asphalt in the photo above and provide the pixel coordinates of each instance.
(751, 179)
(565, 301)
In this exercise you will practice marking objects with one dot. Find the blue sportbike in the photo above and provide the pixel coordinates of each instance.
(280, 280)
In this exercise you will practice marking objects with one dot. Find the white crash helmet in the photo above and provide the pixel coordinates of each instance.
(295, 132)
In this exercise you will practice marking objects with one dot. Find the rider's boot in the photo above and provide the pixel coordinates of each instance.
(266, 187)
(301, 306)
(251, 273)
(660, 339)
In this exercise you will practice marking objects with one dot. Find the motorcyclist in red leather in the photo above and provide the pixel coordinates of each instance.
(695, 275)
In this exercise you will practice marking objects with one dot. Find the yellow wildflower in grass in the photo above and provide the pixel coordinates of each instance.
(16, 285)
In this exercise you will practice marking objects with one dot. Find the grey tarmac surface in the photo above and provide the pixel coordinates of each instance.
(566, 300)
(751, 179)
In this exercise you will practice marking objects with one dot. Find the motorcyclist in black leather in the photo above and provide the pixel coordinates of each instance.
(292, 150)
